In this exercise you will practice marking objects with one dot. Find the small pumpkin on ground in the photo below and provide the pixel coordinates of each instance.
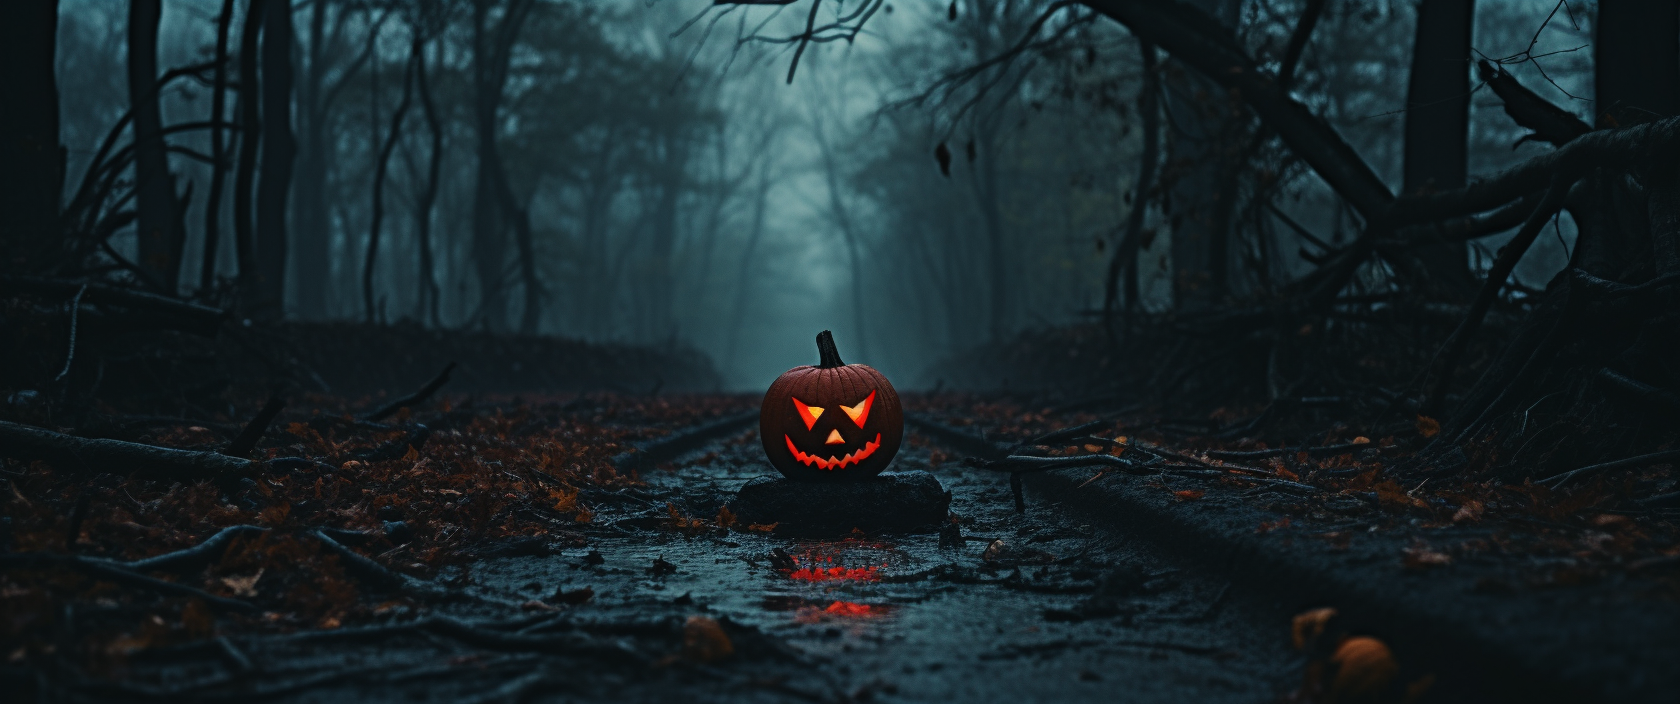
(831, 422)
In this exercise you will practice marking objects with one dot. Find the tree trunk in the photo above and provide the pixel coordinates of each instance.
(381, 167)
(250, 133)
(32, 181)
(1126, 250)
(1438, 126)
(1636, 61)
(279, 148)
(157, 223)
(491, 55)
(429, 294)
(218, 153)
(1201, 151)
(312, 237)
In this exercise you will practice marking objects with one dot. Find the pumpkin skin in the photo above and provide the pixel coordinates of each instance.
(831, 422)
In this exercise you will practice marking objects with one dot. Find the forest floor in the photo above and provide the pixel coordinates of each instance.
(494, 549)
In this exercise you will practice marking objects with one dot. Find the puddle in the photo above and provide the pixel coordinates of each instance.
(1030, 608)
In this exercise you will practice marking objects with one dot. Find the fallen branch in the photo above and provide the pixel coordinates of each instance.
(1320, 451)
(1648, 143)
(73, 454)
(1509, 255)
(1549, 122)
(253, 432)
(1558, 480)
(197, 556)
(114, 572)
(415, 398)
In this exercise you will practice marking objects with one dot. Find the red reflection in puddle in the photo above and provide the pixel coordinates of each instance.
(850, 608)
(846, 561)
(840, 610)
(836, 574)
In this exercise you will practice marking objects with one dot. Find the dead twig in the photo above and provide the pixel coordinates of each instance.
(253, 432)
(197, 556)
(1558, 480)
(415, 398)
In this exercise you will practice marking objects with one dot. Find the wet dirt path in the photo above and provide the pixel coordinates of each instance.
(1035, 607)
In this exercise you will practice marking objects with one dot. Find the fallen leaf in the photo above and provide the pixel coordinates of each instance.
(764, 527)
(243, 586)
(535, 605)
(725, 517)
(1189, 494)
(1361, 440)
(1420, 558)
(1427, 426)
(1471, 511)
(704, 640)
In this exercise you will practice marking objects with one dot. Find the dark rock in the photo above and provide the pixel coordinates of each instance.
(398, 532)
(892, 502)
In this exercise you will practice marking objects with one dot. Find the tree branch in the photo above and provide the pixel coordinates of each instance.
(1549, 122)
(73, 454)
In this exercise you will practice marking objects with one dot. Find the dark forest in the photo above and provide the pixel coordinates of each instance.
(1298, 351)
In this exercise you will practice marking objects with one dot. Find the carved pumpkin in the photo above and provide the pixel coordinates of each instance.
(831, 422)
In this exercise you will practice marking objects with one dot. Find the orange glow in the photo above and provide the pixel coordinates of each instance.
(860, 412)
(833, 462)
(809, 414)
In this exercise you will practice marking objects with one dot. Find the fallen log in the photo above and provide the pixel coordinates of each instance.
(69, 453)
(195, 318)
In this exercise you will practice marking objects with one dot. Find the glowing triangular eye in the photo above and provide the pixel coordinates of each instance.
(860, 412)
(809, 414)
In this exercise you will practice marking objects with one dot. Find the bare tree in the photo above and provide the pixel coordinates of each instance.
(428, 300)
(160, 235)
(382, 165)
(494, 208)
(279, 149)
(329, 62)
(250, 124)
(30, 184)
(1438, 125)
(218, 155)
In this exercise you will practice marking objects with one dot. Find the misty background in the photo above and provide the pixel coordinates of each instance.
(681, 193)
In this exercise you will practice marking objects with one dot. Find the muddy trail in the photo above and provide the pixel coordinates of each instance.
(588, 549)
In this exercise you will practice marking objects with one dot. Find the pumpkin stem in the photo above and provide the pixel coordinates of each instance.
(830, 355)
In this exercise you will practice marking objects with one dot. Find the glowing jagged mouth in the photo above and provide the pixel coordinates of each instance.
(833, 462)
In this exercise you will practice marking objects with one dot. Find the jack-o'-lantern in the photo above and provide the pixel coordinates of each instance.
(831, 422)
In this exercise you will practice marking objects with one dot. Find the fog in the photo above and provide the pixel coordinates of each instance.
(680, 192)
